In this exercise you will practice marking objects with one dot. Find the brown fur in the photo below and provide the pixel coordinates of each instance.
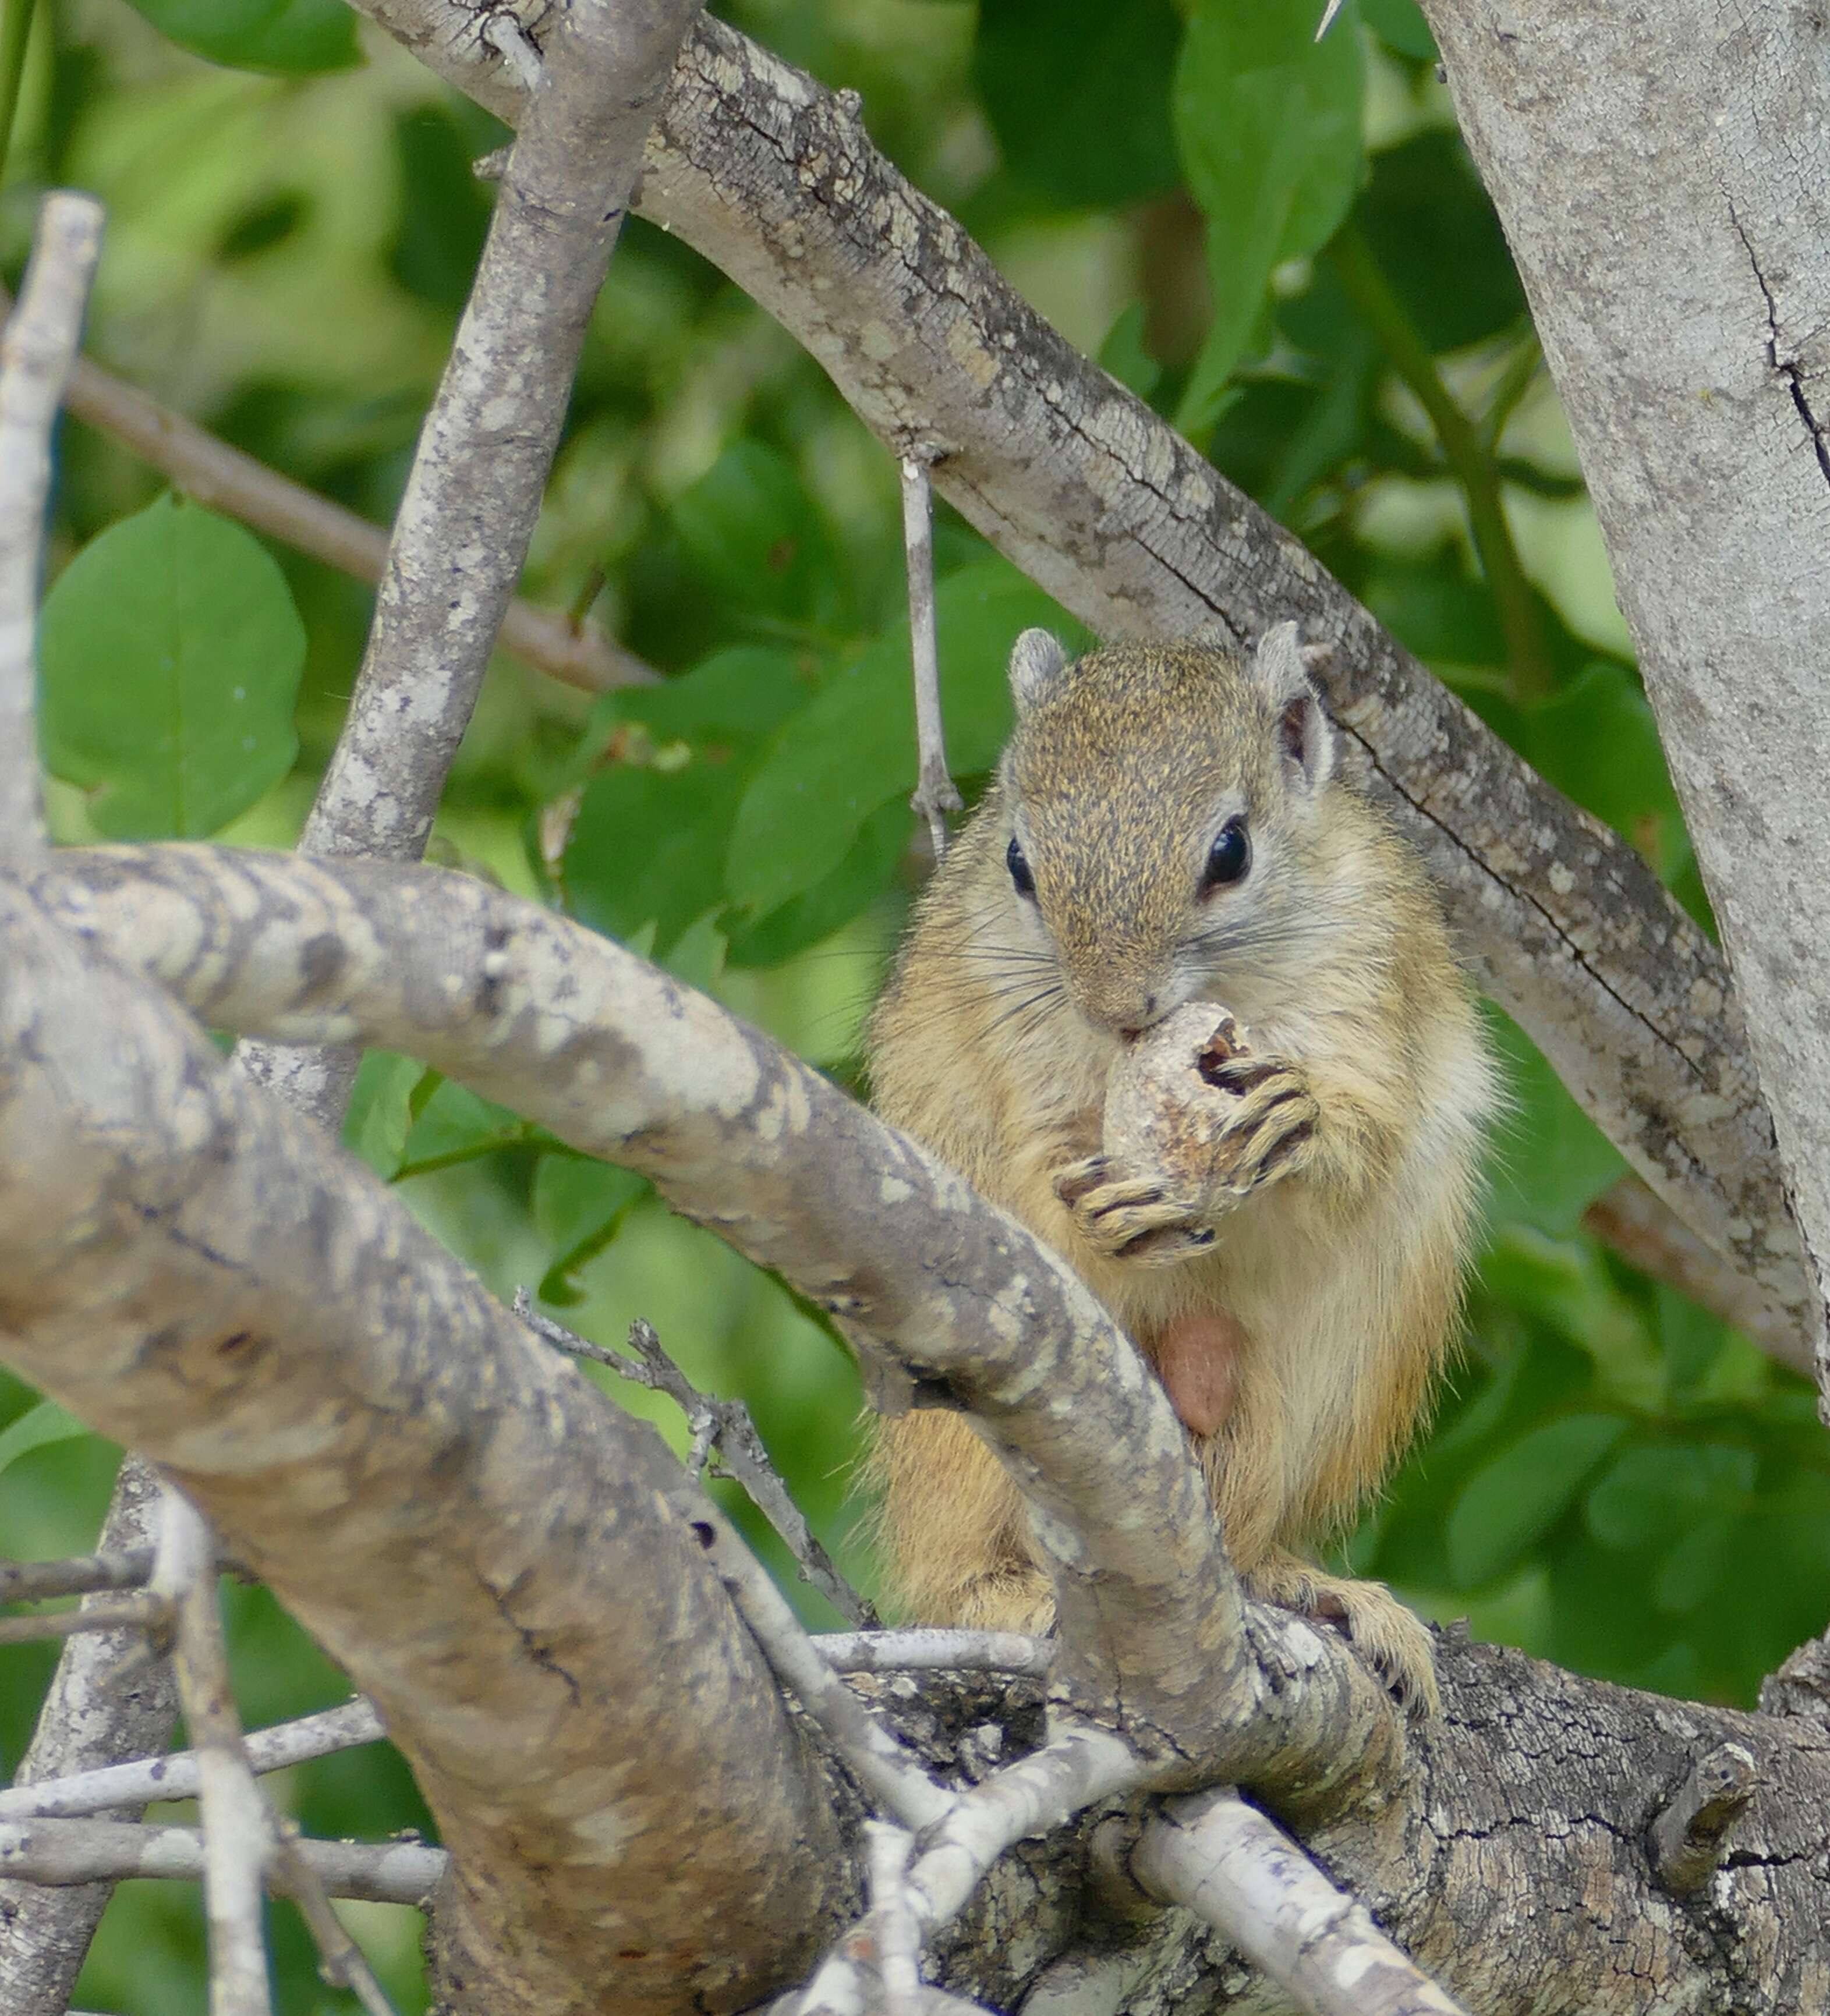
(1337, 1281)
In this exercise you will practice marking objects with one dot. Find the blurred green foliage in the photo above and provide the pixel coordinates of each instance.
(1615, 1481)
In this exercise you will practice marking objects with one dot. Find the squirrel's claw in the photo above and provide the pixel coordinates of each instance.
(1270, 1132)
(1134, 1217)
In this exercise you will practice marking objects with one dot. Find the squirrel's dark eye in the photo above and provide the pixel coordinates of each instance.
(1019, 868)
(1230, 856)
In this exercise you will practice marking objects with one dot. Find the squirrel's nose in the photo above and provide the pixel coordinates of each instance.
(1131, 1034)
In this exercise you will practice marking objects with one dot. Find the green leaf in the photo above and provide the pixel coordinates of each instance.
(1399, 24)
(444, 209)
(294, 38)
(453, 1125)
(650, 842)
(1548, 1161)
(737, 695)
(171, 654)
(1656, 1489)
(1078, 94)
(381, 1110)
(1268, 122)
(648, 846)
(865, 872)
(47, 1422)
(754, 534)
(579, 1207)
(1436, 238)
(852, 750)
(1507, 1507)
(1124, 355)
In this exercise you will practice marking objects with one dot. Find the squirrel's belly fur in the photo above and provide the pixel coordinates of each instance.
(1342, 1281)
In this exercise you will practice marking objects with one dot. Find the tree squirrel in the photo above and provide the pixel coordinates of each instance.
(1166, 827)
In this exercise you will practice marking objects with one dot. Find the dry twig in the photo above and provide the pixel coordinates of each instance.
(1226, 1863)
(131, 1609)
(889, 1773)
(237, 1840)
(74, 1575)
(208, 469)
(935, 794)
(59, 1854)
(723, 1426)
(175, 1775)
(40, 341)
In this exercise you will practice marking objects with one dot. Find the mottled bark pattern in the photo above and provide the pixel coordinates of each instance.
(502, 1560)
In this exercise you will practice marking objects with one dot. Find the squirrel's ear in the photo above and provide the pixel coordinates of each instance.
(1037, 661)
(1304, 730)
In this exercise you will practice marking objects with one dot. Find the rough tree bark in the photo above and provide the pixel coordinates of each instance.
(1664, 180)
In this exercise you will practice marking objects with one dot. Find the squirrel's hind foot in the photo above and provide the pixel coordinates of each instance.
(1392, 1640)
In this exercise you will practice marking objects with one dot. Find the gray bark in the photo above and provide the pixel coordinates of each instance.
(1664, 179)
(505, 1563)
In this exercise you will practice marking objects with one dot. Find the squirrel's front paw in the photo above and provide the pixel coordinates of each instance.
(1130, 1217)
(1269, 1132)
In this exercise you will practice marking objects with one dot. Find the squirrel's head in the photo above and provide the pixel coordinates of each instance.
(1159, 807)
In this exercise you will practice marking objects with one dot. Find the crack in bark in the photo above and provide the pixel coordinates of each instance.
(1786, 368)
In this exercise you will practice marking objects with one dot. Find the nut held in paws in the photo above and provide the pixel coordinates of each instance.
(1163, 1113)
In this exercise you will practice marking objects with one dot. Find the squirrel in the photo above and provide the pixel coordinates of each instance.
(1167, 827)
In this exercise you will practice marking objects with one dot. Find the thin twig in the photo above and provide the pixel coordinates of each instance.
(74, 1575)
(237, 1841)
(896, 1928)
(133, 1610)
(927, 1649)
(1077, 1767)
(935, 795)
(1080, 1765)
(734, 1435)
(1240, 1872)
(60, 1852)
(175, 1775)
(890, 1773)
(342, 1962)
(106, 1699)
(41, 338)
(207, 469)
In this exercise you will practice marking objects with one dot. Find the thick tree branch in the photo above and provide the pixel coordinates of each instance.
(1670, 225)
(1482, 1815)
(207, 468)
(941, 1293)
(503, 1561)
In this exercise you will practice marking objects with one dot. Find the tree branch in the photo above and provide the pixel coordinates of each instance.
(61, 1852)
(936, 1289)
(1670, 227)
(207, 468)
(505, 1563)
(39, 341)
(1243, 1875)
